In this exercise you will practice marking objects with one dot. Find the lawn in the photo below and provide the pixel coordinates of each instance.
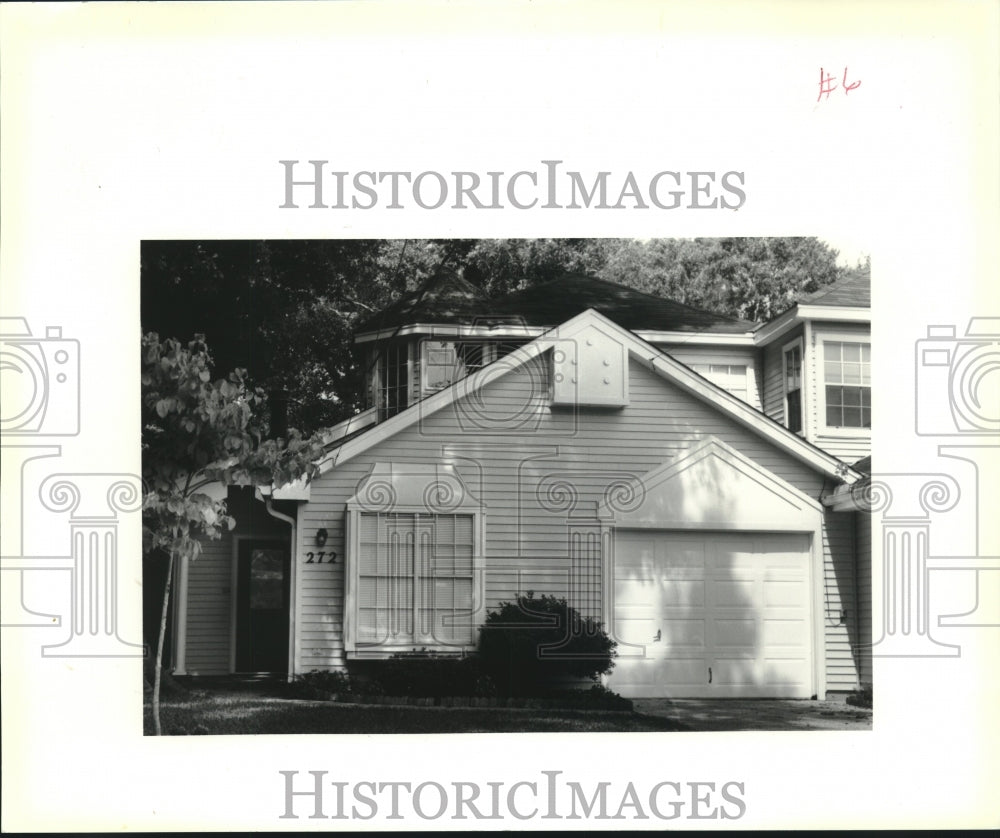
(229, 713)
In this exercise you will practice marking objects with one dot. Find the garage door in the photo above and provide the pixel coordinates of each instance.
(712, 615)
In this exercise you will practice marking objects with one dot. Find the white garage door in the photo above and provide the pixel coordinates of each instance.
(712, 615)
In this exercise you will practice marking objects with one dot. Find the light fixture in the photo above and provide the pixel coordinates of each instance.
(320, 537)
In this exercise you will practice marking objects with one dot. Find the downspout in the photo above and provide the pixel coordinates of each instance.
(288, 519)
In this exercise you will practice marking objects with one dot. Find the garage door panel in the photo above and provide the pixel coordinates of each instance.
(784, 594)
(791, 634)
(730, 593)
(733, 613)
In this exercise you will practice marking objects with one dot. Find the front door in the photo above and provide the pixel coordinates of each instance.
(262, 607)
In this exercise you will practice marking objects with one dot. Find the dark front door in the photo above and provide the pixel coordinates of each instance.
(262, 607)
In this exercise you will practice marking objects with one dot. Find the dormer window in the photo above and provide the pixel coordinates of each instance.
(445, 362)
(793, 386)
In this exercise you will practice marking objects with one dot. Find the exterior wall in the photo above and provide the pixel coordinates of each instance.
(863, 540)
(210, 593)
(540, 483)
(840, 620)
(850, 446)
(210, 609)
(694, 354)
(773, 386)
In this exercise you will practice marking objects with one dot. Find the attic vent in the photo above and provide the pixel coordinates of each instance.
(590, 369)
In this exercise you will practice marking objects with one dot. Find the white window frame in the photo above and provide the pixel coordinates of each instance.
(489, 356)
(836, 337)
(729, 361)
(351, 577)
(799, 344)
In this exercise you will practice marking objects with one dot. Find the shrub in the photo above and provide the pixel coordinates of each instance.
(862, 697)
(423, 674)
(535, 644)
(320, 684)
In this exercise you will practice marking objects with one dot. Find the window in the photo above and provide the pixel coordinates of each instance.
(793, 386)
(847, 384)
(730, 377)
(415, 580)
(393, 380)
(447, 361)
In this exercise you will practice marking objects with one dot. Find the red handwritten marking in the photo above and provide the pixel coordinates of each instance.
(827, 85)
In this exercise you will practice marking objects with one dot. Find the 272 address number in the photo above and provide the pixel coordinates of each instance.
(322, 557)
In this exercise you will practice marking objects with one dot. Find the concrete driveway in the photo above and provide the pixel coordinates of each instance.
(757, 713)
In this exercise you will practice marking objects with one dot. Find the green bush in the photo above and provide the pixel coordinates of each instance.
(537, 644)
(423, 674)
(320, 684)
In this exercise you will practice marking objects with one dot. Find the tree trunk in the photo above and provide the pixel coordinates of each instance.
(158, 671)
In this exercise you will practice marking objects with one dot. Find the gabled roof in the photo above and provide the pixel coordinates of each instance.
(445, 298)
(848, 300)
(854, 290)
(449, 300)
(661, 364)
(555, 302)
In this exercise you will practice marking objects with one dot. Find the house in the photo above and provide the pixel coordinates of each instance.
(677, 474)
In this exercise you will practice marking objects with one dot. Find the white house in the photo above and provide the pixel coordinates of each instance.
(670, 471)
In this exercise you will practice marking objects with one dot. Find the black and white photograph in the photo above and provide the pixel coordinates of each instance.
(499, 415)
(506, 485)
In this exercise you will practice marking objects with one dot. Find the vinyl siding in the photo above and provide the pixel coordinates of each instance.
(773, 388)
(694, 354)
(863, 537)
(210, 581)
(850, 447)
(530, 520)
(210, 608)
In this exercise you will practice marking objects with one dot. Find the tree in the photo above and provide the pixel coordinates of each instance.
(751, 278)
(196, 431)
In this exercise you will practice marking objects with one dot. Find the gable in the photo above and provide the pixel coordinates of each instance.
(711, 486)
(540, 352)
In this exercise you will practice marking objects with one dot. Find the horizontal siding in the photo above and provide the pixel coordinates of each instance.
(863, 536)
(530, 519)
(841, 618)
(209, 609)
(693, 354)
(848, 447)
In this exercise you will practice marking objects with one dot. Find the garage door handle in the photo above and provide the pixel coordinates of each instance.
(659, 634)
(710, 675)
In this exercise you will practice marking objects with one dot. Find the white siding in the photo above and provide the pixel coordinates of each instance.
(863, 539)
(694, 354)
(209, 608)
(848, 446)
(527, 526)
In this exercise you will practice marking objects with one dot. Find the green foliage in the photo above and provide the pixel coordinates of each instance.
(425, 674)
(196, 431)
(286, 310)
(537, 643)
(320, 684)
(750, 278)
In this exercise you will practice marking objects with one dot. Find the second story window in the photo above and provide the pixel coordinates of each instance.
(730, 377)
(793, 386)
(847, 384)
(393, 380)
(445, 362)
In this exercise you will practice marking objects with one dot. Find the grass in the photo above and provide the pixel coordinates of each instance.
(235, 713)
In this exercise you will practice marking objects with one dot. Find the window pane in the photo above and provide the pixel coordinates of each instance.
(852, 417)
(852, 373)
(852, 352)
(832, 372)
(852, 396)
(831, 351)
(833, 416)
